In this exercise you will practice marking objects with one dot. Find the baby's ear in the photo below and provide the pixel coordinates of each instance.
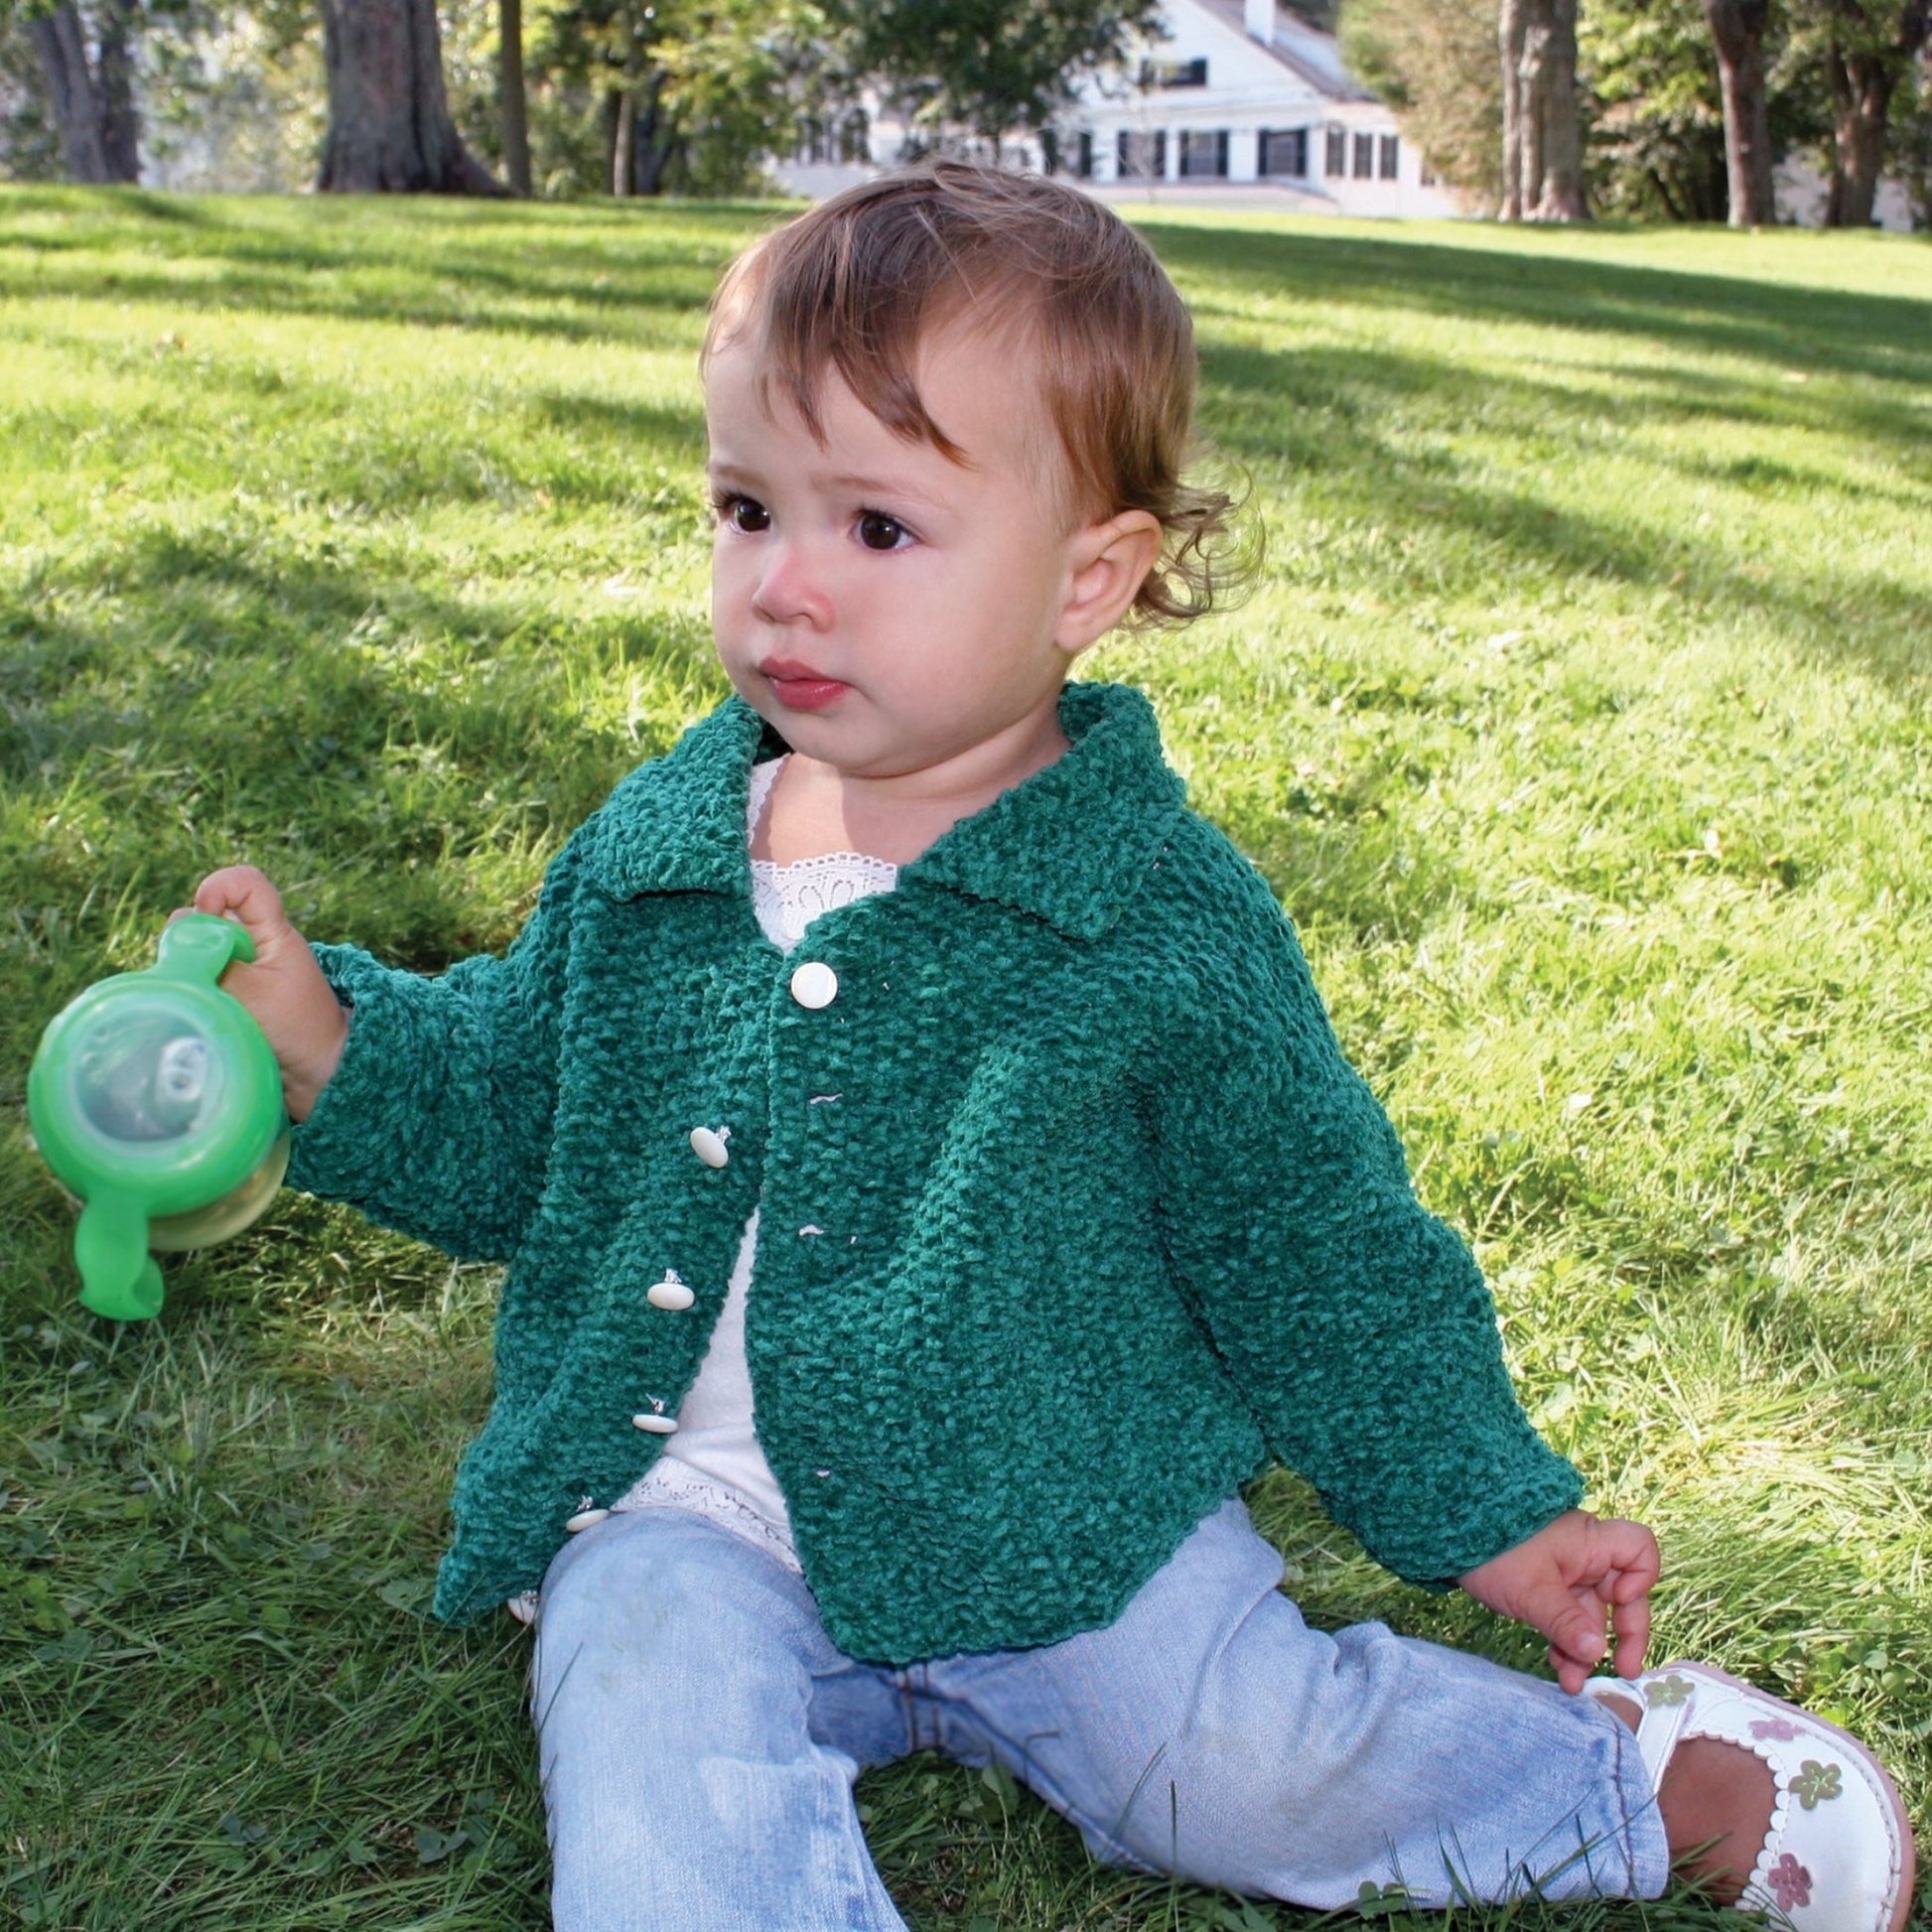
(1108, 563)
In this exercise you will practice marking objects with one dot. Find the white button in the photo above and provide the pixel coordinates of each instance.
(584, 1519)
(671, 1292)
(814, 985)
(654, 1425)
(710, 1147)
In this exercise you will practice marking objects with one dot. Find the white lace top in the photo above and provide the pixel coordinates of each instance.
(712, 1463)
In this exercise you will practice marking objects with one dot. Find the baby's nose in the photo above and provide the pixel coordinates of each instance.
(793, 588)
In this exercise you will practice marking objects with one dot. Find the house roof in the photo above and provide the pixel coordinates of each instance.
(1307, 51)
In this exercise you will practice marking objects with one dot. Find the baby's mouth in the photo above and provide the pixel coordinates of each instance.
(800, 687)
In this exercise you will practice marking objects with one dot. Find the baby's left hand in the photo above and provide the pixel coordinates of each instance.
(1567, 1580)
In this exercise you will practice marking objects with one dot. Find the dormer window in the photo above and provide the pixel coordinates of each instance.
(1163, 74)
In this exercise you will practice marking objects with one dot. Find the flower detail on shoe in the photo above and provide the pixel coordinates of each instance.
(1816, 1782)
(1782, 1730)
(1790, 1883)
(1667, 1691)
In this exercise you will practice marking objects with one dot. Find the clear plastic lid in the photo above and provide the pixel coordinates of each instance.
(145, 1074)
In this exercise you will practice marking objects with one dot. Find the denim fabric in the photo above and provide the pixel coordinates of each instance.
(700, 1738)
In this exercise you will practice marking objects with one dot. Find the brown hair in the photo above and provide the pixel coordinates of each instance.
(860, 280)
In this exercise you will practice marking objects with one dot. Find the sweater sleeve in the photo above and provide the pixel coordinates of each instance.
(1356, 1325)
(437, 1122)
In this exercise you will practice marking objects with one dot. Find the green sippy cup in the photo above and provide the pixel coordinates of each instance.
(155, 1099)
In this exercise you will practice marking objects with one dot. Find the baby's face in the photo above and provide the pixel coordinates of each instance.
(887, 608)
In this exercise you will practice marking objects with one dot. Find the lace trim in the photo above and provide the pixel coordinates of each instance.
(788, 899)
(675, 1485)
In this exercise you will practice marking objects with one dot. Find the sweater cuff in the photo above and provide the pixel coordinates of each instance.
(356, 1124)
(1507, 1512)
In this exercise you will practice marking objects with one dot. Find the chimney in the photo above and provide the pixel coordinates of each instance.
(1258, 16)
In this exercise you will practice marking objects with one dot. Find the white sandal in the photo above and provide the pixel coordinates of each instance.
(1838, 1856)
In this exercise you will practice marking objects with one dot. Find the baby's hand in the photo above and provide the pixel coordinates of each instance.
(295, 1007)
(1566, 1580)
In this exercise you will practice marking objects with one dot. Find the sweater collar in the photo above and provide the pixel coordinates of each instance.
(1069, 846)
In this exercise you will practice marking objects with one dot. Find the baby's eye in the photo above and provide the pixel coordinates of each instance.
(877, 531)
(744, 513)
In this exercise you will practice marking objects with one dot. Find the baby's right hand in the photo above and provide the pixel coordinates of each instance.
(295, 1007)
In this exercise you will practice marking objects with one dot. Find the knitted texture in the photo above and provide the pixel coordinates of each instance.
(1073, 1215)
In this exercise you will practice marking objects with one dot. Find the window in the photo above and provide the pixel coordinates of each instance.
(1173, 73)
(1205, 155)
(1364, 156)
(1285, 152)
(1142, 157)
(1428, 174)
(1391, 153)
(1337, 152)
(1084, 160)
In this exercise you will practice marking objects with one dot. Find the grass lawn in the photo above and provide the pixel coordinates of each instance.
(1582, 725)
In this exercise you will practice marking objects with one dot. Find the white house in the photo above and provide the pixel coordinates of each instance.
(1246, 91)
(1238, 93)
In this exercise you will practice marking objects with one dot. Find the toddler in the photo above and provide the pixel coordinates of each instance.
(930, 1187)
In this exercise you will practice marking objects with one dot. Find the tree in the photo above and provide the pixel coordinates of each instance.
(655, 96)
(988, 68)
(1911, 137)
(90, 91)
(389, 125)
(1738, 31)
(1542, 157)
(1435, 63)
(1866, 49)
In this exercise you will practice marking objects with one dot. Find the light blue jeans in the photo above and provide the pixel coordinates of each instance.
(700, 1738)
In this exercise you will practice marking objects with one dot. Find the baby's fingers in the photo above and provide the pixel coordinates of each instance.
(1630, 1620)
(244, 895)
(242, 892)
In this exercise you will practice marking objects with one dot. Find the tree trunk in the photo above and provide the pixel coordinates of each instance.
(1863, 79)
(624, 145)
(120, 126)
(1543, 146)
(1860, 107)
(389, 126)
(513, 100)
(93, 107)
(648, 154)
(1737, 28)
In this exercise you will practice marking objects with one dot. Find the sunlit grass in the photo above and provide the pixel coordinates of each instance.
(1580, 722)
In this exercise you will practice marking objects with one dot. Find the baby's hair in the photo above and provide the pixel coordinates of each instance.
(859, 282)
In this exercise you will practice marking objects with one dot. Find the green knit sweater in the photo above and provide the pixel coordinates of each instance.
(1073, 1215)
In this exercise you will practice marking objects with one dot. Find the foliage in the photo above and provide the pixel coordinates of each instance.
(1436, 62)
(235, 101)
(1912, 138)
(724, 82)
(986, 68)
(1657, 147)
(30, 143)
(1581, 724)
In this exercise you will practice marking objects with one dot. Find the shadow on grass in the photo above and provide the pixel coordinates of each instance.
(579, 275)
(334, 726)
(1780, 325)
(1328, 411)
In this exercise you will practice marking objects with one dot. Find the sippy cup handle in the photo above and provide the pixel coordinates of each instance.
(200, 946)
(118, 1277)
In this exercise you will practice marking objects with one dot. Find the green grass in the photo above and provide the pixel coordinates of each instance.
(1582, 722)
